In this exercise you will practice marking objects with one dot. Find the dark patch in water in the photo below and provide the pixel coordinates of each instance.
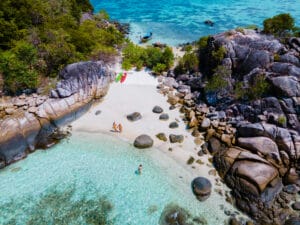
(152, 209)
(173, 214)
(59, 208)
(16, 169)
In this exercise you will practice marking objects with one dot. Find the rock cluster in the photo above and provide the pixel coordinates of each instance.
(255, 144)
(33, 120)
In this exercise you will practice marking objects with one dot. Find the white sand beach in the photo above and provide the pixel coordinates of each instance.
(139, 94)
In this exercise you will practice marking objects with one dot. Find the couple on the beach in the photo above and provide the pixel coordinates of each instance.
(117, 128)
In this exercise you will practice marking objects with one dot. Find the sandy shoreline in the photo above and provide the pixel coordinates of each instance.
(139, 94)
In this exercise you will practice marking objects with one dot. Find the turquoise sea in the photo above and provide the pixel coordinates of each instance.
(180, 21)
(90, 177)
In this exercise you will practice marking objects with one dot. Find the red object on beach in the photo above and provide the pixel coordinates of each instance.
(123, 77)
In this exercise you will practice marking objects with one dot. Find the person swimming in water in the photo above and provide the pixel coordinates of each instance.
(139, 170)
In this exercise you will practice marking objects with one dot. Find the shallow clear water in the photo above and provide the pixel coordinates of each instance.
(47, 185)
(178, 21)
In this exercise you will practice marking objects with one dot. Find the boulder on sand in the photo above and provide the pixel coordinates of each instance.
(202, 188)
(143, 141)
(134, 116)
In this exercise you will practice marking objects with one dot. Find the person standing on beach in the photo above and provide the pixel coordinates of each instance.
(120, 128)
(115, 128)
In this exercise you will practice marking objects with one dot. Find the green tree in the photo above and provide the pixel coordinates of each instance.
(16, 74)
(220, 79)
(279, 24)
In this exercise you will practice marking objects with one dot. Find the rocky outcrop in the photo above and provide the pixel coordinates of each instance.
(254, 139)
(28, 128)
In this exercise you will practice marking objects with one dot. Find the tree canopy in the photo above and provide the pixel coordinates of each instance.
(39, 37)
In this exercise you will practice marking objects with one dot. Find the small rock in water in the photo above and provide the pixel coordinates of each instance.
(157, 109)
(164, 116)
(134, 116)
(173, 125)
(97, 112)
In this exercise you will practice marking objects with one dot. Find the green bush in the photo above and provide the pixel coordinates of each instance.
(159, 68)
(17, 75)
(151, 57)
(44, 36)
(220, 79)
(282, 120)
(276, 57)
(188, 63)
(279, 24)
(240, 29)
(256, 88)
(219, 54)
(202, 43)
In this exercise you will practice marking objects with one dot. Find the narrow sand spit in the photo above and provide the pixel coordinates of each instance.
(139, 94)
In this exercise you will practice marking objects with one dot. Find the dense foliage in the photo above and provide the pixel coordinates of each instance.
(189, 63)
(40, 37)
(280, 25)
(157, 59)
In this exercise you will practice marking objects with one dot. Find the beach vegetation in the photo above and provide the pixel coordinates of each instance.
(219, 54)
(38, 38)
(219, 80)
(279, 25)
(251, 27)
(256, 88)
(203, 42)
(276, 57)
(282, 120)
(188, 63)
(240, 29)
(154, 58)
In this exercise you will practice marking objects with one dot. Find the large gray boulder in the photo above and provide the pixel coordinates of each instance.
(262, 146)
(286, 86)
(143, 141)
(202, 188)
(23, 132)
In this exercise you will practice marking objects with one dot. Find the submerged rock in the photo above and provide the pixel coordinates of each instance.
(143, 141)
(176, 215)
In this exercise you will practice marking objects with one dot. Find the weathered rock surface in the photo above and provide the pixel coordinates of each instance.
(24, 130)
(143, 141)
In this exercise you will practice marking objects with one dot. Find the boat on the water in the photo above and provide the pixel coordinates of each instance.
(146, 37)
